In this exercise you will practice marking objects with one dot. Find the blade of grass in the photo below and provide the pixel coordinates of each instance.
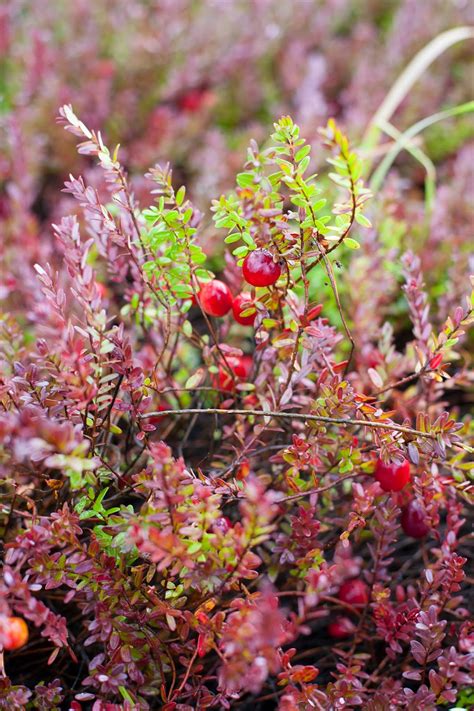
(417, 153)
(403, 141)
(408, 78)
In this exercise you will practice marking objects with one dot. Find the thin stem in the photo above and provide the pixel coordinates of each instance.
(295, 416)
(319, 490)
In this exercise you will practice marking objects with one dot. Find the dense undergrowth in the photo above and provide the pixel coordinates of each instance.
(214, 504)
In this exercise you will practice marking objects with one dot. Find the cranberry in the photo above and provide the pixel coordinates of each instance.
(341, 628)
(354, 592)
(243, 302)
(392, 477)
(260, 269)
(193, 100)
(14, 632)
(241, 367)
(157, 419)
(215, 298)
(413, 520)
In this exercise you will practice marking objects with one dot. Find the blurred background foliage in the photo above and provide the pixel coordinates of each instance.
(191, 81)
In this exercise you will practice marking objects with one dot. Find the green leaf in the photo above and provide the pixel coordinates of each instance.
(351, 243)
(180, 195)
(126, 696)
(248, 239)
(151, 214)
(195, 547)
(269, 323)
(187, 215)
(187, 329)
(362, 220)
(194, 380)
(302, 153)
(226, 221)
(339, 180)
(241, 251)
(245, 180)
(234, 237)
(298, 201)
(197, 254)
(304, 165)
(182, 290)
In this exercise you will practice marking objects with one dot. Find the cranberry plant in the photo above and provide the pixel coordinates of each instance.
(218, 491)
(174, 96)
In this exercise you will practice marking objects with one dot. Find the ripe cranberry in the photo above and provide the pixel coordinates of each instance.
(241, 366)
(14, 632)
(193, 100)
(341, 628)
(215, 298)
(392, 477)
(243, 302)
(354, 592)
(157, 419)
(413, 520)
(260, 269)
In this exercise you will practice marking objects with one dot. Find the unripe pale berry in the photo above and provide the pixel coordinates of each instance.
(260, 269)
(392, 477)
(215, 298)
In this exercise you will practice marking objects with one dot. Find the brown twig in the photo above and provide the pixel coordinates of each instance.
(296, 416)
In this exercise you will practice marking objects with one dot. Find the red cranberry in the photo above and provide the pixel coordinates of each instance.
(241, 366)
(392, 477)
(354, 592)
(14, 632)
(413, 520)
(193, 100)
(260, 269)
(215, 298)
(341, 628)
(243, 302)
(157, 419)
